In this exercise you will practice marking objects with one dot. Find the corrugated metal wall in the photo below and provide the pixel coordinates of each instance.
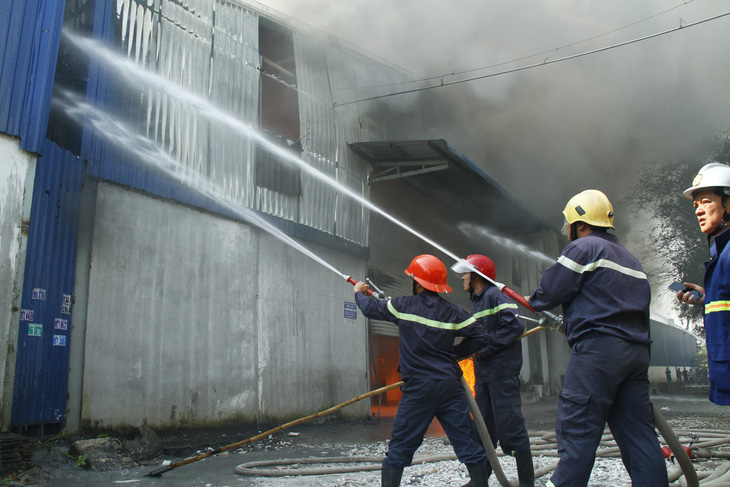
(672, 346)
(210, 320)
(16, 178)
(29, 35)
(210, 50)
(208, 316)
(41, 371)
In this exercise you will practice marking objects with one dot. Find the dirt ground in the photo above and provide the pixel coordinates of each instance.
(336, 438)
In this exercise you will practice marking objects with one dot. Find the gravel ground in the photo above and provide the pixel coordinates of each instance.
(333, 438)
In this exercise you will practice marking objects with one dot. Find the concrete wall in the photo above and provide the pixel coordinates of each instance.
(17, 170)
(192, 318)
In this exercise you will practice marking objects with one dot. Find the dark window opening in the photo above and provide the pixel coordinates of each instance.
(72, 73)
(279, 114)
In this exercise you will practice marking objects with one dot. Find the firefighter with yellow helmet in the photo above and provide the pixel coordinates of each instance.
(605, 298)
(709, 193)
(427, 326)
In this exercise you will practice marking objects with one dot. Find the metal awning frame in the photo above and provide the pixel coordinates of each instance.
(394, 170)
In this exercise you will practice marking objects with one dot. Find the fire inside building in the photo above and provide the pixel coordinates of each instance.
(182, 197)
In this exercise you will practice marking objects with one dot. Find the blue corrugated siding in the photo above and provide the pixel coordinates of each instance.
(41, 373)
(30, 32)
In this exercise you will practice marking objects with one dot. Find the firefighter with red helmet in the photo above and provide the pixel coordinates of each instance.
(427, 326)
(605, 298)
(497, 366)
(709, 193)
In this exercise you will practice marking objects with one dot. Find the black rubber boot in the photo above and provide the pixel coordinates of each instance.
(391, 477)
(479, 474)
(525, 470)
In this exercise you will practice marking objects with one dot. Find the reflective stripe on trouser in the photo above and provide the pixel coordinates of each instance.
(606, 381)
(423, 400)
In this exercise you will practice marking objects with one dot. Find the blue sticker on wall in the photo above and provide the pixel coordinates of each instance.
(59, 340)
(39, 293)
(60, 324)
(26, 315)
(350, 310)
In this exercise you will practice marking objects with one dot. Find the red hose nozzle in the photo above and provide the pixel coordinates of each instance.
(554, 321)
(352, 281)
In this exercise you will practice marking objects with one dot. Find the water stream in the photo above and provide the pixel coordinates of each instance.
(139, 75)
(122, 135)
(481, 232)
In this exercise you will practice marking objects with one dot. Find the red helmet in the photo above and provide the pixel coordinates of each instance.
(428, 271)
(484, 264)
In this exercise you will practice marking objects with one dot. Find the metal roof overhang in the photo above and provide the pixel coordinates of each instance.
(433, 165)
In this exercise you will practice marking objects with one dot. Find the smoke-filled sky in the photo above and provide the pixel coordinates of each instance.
(550, 132)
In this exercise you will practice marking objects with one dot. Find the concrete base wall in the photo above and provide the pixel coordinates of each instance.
(17, 170)
(195, 319)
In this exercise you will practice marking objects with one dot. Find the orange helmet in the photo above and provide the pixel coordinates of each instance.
(484, 264)
(428, 271)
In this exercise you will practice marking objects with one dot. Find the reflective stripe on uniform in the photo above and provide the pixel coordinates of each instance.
(717, 306)
(425, 321)
(549, 484)
(495, 310)
(580, 269)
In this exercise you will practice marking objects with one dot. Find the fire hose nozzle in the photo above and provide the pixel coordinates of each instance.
(370, 291)
(378, 292)
(550, 320)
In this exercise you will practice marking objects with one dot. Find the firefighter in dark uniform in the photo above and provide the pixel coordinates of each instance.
(497, 366)
(427, 326)
(605, 297)
(709, 193)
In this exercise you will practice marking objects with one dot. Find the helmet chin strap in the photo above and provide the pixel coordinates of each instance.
(573, 231)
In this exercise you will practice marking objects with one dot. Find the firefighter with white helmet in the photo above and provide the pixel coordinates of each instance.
(605, 298)
(497, 366)
(427, 326)
(709, 193)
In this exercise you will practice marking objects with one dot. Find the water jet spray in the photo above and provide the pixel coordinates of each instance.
(79, 110)
(128, 68)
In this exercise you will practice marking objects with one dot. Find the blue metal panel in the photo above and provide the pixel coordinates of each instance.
(30, 32)
(41, 373)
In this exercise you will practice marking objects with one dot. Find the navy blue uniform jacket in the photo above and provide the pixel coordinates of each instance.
(717, 319)
(502, 357)
(427, 325)
(601, 287)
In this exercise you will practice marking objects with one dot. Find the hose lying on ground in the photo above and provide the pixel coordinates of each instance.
(709, 478)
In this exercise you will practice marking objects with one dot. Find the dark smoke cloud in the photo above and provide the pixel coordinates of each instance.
(550, 132)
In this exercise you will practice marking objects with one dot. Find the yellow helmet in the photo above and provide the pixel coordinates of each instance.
(592, 207)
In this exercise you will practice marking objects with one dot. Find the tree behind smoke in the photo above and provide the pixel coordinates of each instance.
(674, 248)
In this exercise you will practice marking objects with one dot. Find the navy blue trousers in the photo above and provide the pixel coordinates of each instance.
(501, 407)
(607, 382)
(422, 400)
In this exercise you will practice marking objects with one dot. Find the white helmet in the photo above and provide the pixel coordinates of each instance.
(713, 175)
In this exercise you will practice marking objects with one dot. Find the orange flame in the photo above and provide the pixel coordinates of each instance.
(467, 367)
